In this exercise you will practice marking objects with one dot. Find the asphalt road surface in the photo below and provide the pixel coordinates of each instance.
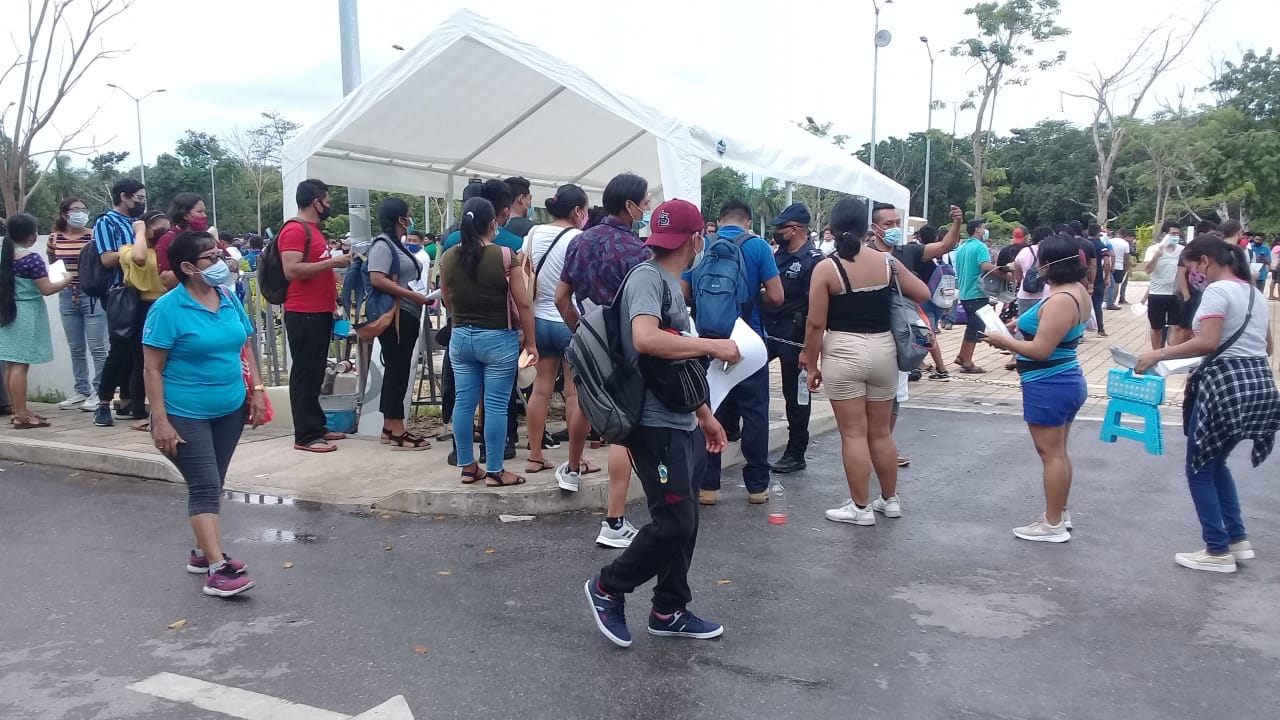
(940, 614)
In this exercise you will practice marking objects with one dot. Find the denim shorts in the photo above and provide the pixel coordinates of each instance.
(1054, 401)
(933, 312)
(552, 337)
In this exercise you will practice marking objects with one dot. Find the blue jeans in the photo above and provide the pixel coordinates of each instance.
(85, 324)
(1213, 491)
(752, 399)
(483, 361)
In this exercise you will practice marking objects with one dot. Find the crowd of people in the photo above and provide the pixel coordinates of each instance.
(517, 291)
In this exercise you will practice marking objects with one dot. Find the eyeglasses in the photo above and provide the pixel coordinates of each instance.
(214, 257)
(140, 198)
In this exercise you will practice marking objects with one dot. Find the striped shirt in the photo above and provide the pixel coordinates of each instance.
(111, 232)
(68, 251)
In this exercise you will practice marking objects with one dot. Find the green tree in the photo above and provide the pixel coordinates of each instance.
(1009, 33)
(1048, 172)
(258, 152)
(720, 185)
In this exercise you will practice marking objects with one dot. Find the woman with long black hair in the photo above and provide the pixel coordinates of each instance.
(479, 280)
(24, 320)
(392, 270)
(1230, 398)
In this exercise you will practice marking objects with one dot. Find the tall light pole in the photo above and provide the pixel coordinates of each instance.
(137, 103)
(928, 141)
(882, 38)
(213, 186)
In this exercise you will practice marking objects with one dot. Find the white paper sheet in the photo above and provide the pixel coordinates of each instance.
(754, 356)
(57, 271)
(991, 319)
(1164, 368)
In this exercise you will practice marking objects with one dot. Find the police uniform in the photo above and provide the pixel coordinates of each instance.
(787, 322)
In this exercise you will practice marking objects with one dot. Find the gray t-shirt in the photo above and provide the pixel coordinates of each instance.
(380, 261)
(642, 295)
(1229, 300)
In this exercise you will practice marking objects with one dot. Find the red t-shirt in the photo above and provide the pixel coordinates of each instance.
(162, 248)
(320, 293)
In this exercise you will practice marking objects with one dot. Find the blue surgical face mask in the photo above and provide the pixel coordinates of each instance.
(216, 274)
(986, 234)
(893, 237)
(643, 222)
(413, 249)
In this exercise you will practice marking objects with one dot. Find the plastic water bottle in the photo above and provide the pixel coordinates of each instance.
(777, 504)
(662, 474)
(802, 388)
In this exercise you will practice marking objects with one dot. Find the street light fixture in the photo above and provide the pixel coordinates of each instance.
(137, 102)
(398, 47)
(882, 39)
(213, 186)
(928, 141)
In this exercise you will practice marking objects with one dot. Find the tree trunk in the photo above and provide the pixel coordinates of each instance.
(12, 206)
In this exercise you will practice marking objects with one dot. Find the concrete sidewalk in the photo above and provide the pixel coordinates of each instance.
(362, 472)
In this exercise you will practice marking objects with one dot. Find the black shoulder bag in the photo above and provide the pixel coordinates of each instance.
(1192, 388)
(680, 385)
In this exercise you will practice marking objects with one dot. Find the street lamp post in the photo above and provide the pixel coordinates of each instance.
(137, 103)
(213, 189)
(882, 38)
(928, 141)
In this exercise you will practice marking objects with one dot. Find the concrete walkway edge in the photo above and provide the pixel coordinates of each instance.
(79, 457)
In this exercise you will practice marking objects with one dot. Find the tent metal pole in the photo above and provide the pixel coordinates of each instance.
(448, 207)
(510, 126)
(349, 33)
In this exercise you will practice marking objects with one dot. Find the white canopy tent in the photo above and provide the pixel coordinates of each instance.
(472, 99)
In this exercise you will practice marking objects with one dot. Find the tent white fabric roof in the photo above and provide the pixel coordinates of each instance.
(472, 99)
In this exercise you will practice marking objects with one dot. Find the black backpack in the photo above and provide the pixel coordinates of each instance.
(96, 279)
(272, 282)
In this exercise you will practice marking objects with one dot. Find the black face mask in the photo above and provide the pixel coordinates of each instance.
(136, 211)
(780, 237)
(326, 211)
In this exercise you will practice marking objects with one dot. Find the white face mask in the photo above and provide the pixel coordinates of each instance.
(77, 219)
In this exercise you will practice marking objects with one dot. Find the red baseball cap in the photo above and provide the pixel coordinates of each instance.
(672, 223)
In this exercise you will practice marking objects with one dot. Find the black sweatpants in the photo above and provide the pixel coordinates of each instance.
(664, 547)
(309, 335)
(397, 364)
(137, 389)
(116, 370)
(797, 414)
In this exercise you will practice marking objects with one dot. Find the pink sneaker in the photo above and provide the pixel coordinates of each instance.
(225, 583)
(197, 565)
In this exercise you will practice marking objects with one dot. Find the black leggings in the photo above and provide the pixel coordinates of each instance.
(137, 389)
(398, 347)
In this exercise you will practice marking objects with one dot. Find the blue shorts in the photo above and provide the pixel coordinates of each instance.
(1054, 401)
(933, 312)
(552, 338)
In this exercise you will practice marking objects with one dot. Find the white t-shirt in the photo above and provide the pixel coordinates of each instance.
(1229, 300)
(536, 244)
(1025, 258)
(1164, 279)
(1119, 249)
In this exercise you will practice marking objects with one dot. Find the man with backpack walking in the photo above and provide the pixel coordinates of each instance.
(795, 257)
(99, 273)
(667, 447)
(309, 307)
(736, 275)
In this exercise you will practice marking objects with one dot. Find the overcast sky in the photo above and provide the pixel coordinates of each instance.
(224, 62)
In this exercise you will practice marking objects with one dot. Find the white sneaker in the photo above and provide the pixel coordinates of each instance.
(852, 514)
(71, 402)
(620, 538)
(1204, 560)
(1066, 520)
(1242, 550)
(90, 404)
(1042, 531)
(890, 508)
(567, 479)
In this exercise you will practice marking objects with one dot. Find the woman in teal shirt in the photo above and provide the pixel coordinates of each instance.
(1053, 387)
(191, 347)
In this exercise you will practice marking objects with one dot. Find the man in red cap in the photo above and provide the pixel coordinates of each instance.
(668, 448)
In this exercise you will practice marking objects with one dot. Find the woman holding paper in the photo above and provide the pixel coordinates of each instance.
(850, 297)
(1053, 387)
(1231, 397)
(24, 321)
(139, 264)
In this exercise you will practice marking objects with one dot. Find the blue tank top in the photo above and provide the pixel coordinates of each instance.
(1062, 359)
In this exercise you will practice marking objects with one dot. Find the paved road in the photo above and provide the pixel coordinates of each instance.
(941, 614)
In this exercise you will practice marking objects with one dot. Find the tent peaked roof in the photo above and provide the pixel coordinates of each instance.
(473, 99)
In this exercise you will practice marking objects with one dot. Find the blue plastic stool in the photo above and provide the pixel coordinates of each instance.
(1150, 434)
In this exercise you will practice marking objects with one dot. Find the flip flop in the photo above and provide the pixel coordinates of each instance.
(971, 369)
(141, 426)
(28, 424)
(537, 466)
(496, 480)
(335, 436)
(319, 447)
(903, 462)
(587, 468)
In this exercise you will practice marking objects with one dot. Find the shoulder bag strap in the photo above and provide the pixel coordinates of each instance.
(1234, 336)
(893, 275)
(547, 254)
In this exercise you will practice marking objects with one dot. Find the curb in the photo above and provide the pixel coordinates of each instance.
(100, 460)
(592, 494)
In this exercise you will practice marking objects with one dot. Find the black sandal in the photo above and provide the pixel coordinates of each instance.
(496, 479)
(408, 441)
(474, 475)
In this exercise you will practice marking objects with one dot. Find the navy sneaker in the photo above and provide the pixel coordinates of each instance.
(683, 623)
(102, 416)
(609, 610)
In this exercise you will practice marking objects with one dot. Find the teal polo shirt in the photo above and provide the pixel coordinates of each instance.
(202, 376)
(505, 238)
(968, 261)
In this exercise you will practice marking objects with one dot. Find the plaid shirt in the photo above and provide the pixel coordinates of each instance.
(597, 260)
(1237, 400)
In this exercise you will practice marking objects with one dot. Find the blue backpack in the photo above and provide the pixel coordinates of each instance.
(362, 302)
(720, 292)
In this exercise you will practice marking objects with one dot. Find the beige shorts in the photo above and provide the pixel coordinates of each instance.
(858, 365)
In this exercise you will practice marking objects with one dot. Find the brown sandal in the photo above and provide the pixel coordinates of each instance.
(31, 422)
(469, 477)
(407, 441)
(587, 468)
(495, 480)
(537, 466)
